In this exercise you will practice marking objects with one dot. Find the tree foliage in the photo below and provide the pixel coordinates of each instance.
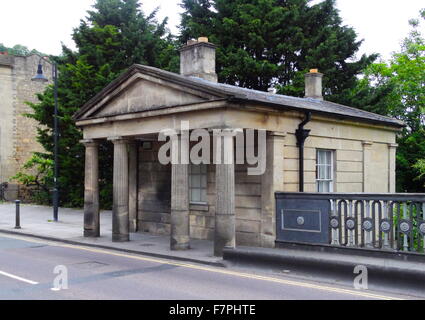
(19, 50)
(261, 43)
(397, 89)
(114, 35)
(39, 175)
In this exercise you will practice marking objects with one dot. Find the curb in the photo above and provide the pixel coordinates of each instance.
(381, 276)
(140, 253)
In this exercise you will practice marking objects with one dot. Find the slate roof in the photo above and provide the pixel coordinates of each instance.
(238, 94)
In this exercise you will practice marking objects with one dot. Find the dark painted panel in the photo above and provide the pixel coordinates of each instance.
(303, 220)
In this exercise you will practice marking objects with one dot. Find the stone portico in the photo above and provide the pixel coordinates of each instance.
(229, 206)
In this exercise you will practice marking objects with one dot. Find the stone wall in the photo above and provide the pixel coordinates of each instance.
(155, 201)
(364, 162)
(17, 132)
(7, 118)
(361, 165)
(154, 194)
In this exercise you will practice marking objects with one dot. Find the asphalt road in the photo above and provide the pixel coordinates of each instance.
(27, 271)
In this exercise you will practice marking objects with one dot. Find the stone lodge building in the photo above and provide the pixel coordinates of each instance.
(342, 149)
(17, 132)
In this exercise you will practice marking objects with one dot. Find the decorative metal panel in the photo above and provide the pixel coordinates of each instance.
(303, 221)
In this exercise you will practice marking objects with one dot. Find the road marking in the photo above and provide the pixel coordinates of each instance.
(215, 270)
(17, 278)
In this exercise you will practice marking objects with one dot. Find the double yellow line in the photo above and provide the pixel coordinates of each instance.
(212, 269)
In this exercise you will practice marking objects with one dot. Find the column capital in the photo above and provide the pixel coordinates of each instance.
(367, 144)
(393, 145)
(90, 142)
(278, 135)
(185, 134)
(119, 140)
(228, 132)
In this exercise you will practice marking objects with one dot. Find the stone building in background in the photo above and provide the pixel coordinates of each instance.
(17, 132)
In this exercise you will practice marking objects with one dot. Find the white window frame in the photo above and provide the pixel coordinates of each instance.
(331, 180)
(203, 175)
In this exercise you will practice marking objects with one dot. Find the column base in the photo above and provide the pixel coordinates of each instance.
(180, 247)
(224, 233)
(218, 251)
(120, 238)
(183, 244)
(133, 226)
(91, 234)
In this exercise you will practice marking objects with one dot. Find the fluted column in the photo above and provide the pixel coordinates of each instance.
(91, 189)
(120, 212)
(271, 181)
(224, 233)
(132, 184)
(180, 234)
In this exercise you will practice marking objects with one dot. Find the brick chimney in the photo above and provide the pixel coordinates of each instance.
(197, 59)
(313, 84)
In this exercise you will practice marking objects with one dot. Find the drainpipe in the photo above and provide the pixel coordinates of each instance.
(302, 135)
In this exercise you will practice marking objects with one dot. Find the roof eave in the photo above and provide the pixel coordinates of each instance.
(399, 124)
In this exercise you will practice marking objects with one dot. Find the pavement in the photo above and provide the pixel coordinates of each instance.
(37, 221)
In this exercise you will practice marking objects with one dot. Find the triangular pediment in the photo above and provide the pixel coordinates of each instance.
(144, 95)
(138, 92)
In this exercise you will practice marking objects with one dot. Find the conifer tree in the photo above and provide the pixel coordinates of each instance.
(275, 42)
(115, 35)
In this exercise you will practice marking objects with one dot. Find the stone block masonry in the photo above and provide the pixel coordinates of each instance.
(17, 132)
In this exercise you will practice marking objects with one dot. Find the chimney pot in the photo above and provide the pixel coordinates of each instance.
(313, 84)
(191, 42)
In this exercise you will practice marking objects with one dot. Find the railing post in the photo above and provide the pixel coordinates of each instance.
(335, 223)
(386, 245)
(405, 239)
(353, 225)
(17, 215)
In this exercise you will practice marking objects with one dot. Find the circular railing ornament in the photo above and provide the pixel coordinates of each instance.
(300, 221)
(405, 226)
(385, 226)
(367, 224)
(422, 228)
(334, 223)
(350, 223)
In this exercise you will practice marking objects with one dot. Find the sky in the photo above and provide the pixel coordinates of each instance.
(44, 24)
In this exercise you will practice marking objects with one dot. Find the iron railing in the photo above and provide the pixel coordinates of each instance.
(381, 221)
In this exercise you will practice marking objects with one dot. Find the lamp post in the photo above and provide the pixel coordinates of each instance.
(39, 77)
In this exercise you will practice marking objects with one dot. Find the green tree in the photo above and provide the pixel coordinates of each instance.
(397, 89)
(114, 35)
(420, 166)
(39, 175)
(275, 42)
(19, 50)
